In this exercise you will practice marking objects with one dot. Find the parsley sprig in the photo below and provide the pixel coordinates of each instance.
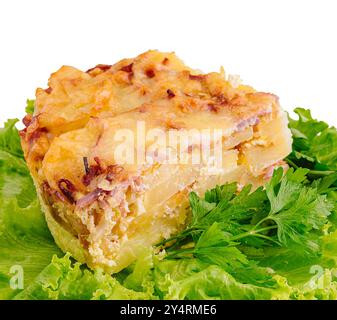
(289, 210)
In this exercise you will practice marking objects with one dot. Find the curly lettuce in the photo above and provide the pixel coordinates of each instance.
(25, 240)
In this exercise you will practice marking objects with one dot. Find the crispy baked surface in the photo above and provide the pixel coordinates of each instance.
(74, 97)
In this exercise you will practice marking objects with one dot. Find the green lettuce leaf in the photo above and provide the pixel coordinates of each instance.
(64, 279)
(10, 140)
(25, 241)
(314, 144)
(192, 279)
(30, 106)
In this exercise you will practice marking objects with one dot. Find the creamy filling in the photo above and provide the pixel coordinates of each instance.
(146, 208)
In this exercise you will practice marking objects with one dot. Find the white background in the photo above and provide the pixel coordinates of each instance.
(285, 47)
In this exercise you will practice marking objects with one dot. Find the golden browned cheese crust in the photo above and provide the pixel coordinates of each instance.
(113, 209)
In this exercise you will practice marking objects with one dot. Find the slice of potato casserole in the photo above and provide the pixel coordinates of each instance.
(115, 151)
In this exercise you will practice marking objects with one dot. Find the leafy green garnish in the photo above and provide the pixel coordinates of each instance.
(25, 240)
(30, 106)
(314, 144)
(65, 279)
(193, 279)
(10, 141)
(286, 211)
